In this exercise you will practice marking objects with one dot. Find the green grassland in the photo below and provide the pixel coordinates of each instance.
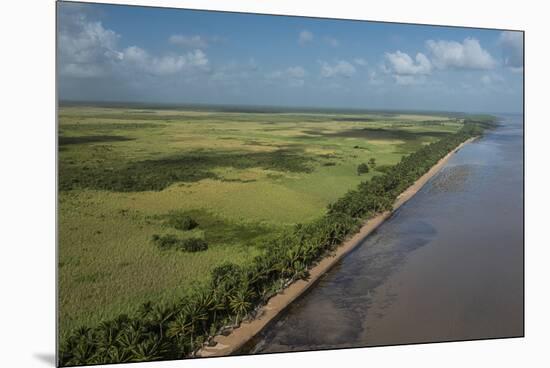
(126, 173)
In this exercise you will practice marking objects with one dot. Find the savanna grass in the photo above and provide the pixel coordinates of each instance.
(275, 174)
(234, 291)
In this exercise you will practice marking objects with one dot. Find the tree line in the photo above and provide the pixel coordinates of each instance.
(236, 292)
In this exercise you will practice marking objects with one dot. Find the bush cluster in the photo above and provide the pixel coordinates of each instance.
(234, 292)
(191, 167)
(170, 241)
(362, 169)
(182, 222)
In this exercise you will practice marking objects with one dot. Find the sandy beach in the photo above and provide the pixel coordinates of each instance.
(232, 343)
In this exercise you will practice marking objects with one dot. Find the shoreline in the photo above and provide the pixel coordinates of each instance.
(239, 337)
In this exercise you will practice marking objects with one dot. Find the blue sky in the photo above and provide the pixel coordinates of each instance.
(124, 53)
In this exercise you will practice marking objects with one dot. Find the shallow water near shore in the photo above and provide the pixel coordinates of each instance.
(448, 265)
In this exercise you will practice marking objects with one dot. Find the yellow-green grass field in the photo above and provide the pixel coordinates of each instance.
(243, 176)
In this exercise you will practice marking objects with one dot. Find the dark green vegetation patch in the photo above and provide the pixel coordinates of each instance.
(103, 126)
(358, 119)
(219, 231)
(171, 241)
(190, 167)
(382, 134)
(182, 221)
(63, 141)
(362, 169)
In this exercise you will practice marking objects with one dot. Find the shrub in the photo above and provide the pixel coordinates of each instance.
(193, 245)
(362, 169)
(182, 222)
(227, 275)
(165, 241)
(170, 241)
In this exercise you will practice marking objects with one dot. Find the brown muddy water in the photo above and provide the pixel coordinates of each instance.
(448, 265)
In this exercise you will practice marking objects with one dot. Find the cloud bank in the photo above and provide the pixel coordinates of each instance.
(87, 50)
(460, 55)
(401, 63)
(187, 65)
(341, 68)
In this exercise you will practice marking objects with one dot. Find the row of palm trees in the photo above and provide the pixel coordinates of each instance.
(234, 292)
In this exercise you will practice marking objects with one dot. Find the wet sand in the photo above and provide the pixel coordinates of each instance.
(237, 339)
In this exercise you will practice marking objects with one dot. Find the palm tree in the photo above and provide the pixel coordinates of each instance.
(216, 304)
(291, 256)
(179, 328)
(145, 310)
(159, 315)
(262, 270)
(118, 355)
(148, 349)
(300, 270)
(311, 250)
(130, 336)
(240, 303)
(107, 333)
(204, 300)
(196, 315)
(186, 322)
(81, 347)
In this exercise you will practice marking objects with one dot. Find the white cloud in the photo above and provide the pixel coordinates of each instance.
(466, 55)
(305, 37)
(402, 64)
(360, 61)
(293, 76)
(86, 48)
(374, 79)
(332, 41)
(341, 68)
(164, 65)
(512, 49)
(196, 58)
(194, 42)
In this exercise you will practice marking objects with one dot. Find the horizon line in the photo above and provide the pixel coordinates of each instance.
(303, 108)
